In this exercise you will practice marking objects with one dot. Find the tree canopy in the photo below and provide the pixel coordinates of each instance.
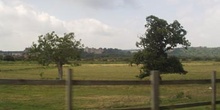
(52, 48)
(159, 38)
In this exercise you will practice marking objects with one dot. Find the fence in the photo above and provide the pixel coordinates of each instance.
(154, 85)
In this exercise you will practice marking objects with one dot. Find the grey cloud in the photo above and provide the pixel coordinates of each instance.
(107, 4)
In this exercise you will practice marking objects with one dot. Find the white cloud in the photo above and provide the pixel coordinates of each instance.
(89, 25)
(99, 23)
(210, 24)
(97, 34)
(201, 19)
(21, 25)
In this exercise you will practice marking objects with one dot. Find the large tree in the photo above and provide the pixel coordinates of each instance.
(159, 38)
(52, 48)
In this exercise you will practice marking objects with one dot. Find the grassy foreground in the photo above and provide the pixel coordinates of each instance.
(100, 97)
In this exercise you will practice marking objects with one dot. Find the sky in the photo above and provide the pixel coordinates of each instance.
(104, 23)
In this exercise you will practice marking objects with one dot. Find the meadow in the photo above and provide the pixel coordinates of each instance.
(23, 97)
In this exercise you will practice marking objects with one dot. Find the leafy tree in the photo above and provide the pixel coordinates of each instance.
(52, 48)
(1, 57)
(159, 38)
(8, 58)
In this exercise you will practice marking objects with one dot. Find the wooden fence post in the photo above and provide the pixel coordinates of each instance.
(69, 89)
(213, 80)
(155, 90)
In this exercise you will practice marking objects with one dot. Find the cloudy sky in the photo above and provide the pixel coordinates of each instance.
(104, 23)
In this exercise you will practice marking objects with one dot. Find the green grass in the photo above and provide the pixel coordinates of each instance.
(32, 98)
(100, 97)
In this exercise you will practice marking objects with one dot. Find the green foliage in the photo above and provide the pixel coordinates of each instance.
(179, 95)
(159, 38)
(173, 65)
(8, 58)
(108, 55)
(196, 53)
(52, 48)
(1, 57)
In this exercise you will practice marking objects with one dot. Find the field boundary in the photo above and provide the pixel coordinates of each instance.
(100, 82)
(155, 83)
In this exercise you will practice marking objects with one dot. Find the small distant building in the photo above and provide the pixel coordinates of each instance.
(94, 50)
(12, 53)
(134, 51)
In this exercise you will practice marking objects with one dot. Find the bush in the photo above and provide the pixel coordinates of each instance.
(1, 57)
(8, 58)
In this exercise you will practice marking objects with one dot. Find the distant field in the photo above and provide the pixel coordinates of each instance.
(99, 97)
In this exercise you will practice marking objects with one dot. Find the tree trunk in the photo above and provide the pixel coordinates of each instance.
(60, 71)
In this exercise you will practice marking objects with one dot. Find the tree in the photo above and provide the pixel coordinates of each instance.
(1, 57)
(8, 58)
(52, 48)
(159, 38)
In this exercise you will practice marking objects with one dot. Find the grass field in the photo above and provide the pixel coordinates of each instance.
(17, 97)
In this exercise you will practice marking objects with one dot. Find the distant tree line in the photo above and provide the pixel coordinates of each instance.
(191, 54)
(108, 54)
(197, 53)
(113, 54)
(11, 58)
